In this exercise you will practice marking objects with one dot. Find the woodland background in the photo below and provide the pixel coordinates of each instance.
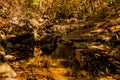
(60, 39)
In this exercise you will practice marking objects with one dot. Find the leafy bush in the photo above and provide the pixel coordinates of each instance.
(62, 9)
(81, 9)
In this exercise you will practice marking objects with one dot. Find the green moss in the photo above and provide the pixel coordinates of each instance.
(35, 2)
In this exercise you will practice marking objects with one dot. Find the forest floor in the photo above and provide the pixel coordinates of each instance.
(63, 50)
(96, 50)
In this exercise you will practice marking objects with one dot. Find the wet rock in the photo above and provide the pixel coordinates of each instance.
(2, 57)
(21, 45)
(6, 72)
(92, 50)
(48, 25)
(47, 43)
(107, 78)
(80, 45)
(10, 57)
(2, 52)
(22, 39)
(63, 51)
(14, 20)
(115, 53)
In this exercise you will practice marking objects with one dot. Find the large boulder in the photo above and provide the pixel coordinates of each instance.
(6, 72)
(20, 42)
(47, 43)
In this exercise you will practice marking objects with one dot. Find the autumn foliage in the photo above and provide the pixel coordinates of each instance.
(66, 9)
